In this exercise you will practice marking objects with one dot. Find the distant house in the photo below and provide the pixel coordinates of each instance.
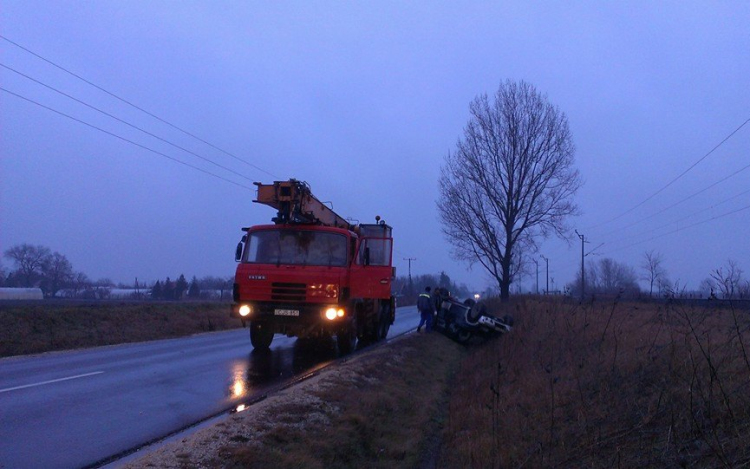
(21, 294)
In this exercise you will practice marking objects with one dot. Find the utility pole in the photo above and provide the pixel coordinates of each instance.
(537, 275)
(546, 292)
(583, 276)
(410, 259)
(411, 284)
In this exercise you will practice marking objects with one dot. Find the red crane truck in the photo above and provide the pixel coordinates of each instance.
(312, 273)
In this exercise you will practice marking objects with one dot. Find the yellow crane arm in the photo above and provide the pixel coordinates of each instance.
(295, 203)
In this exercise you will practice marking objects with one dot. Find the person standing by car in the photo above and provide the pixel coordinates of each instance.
(426, 308)
(437, 299)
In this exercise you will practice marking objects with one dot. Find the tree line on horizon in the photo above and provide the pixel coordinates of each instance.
(410, 287)
(609, 277)
(52, 272)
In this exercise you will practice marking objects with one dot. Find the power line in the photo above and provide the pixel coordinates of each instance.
(677, 178)
(124, 122)
(124, 139)
(136, 107)
(681, 201)
(680, 219)
(684, 228)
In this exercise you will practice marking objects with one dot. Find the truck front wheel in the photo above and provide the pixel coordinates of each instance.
(346, 338)
(261, 336)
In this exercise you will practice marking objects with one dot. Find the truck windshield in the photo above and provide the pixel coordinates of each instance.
(296, 247)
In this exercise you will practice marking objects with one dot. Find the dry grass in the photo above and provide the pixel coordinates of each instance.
(46, 327)
(381, 409)
(606, 385)
(379, 415)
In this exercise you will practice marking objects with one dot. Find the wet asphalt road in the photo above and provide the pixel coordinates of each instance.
(76, 409)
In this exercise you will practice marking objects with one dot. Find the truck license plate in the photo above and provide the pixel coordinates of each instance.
(286, 312)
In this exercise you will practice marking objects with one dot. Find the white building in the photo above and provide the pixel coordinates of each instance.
(21, 294)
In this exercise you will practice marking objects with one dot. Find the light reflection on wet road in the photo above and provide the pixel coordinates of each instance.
(74, 409)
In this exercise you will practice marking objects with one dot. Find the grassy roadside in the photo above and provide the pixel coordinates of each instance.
(46, 327)
(385, 408)
(606, 384)
(384, 414)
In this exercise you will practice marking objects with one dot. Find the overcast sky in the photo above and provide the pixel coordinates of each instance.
(363, 100)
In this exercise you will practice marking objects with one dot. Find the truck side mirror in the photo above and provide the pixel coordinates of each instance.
(238, 252)
(367, 256)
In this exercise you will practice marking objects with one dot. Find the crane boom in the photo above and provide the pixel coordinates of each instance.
(295, 203)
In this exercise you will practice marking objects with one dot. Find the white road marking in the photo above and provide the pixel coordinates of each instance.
(51, 381)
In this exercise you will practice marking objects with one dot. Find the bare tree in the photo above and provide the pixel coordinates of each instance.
(728, 280)
(655, 272)
(668, 288)
(509, 181)
(79, 282)
(222, 284)
(57, 273)
(707, 288)
(29, 260)
(744, 290)
(617, 277)
(608, 277)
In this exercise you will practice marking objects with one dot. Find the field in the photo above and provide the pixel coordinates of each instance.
(46, 326)
(606, 384)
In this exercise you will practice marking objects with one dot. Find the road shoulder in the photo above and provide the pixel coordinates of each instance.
(382, 408)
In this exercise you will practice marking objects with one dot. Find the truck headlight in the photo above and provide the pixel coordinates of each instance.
(333, 313)
(245, 310)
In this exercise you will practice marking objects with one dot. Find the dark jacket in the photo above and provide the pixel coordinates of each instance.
(436, 299)
(425, 304)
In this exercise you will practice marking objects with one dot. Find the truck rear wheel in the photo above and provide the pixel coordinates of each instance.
(261, 336)
(384, 322)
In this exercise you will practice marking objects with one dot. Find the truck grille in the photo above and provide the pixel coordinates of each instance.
(288, 291)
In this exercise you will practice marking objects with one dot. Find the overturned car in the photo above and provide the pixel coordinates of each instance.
(462, 321)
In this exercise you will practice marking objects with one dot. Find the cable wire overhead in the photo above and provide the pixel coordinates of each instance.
(676, 178)
(208, 160)
(741, 209)
(681, 201)
(176, 160)
(123, 100)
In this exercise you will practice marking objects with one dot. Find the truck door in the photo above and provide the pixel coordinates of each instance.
(371, 272)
